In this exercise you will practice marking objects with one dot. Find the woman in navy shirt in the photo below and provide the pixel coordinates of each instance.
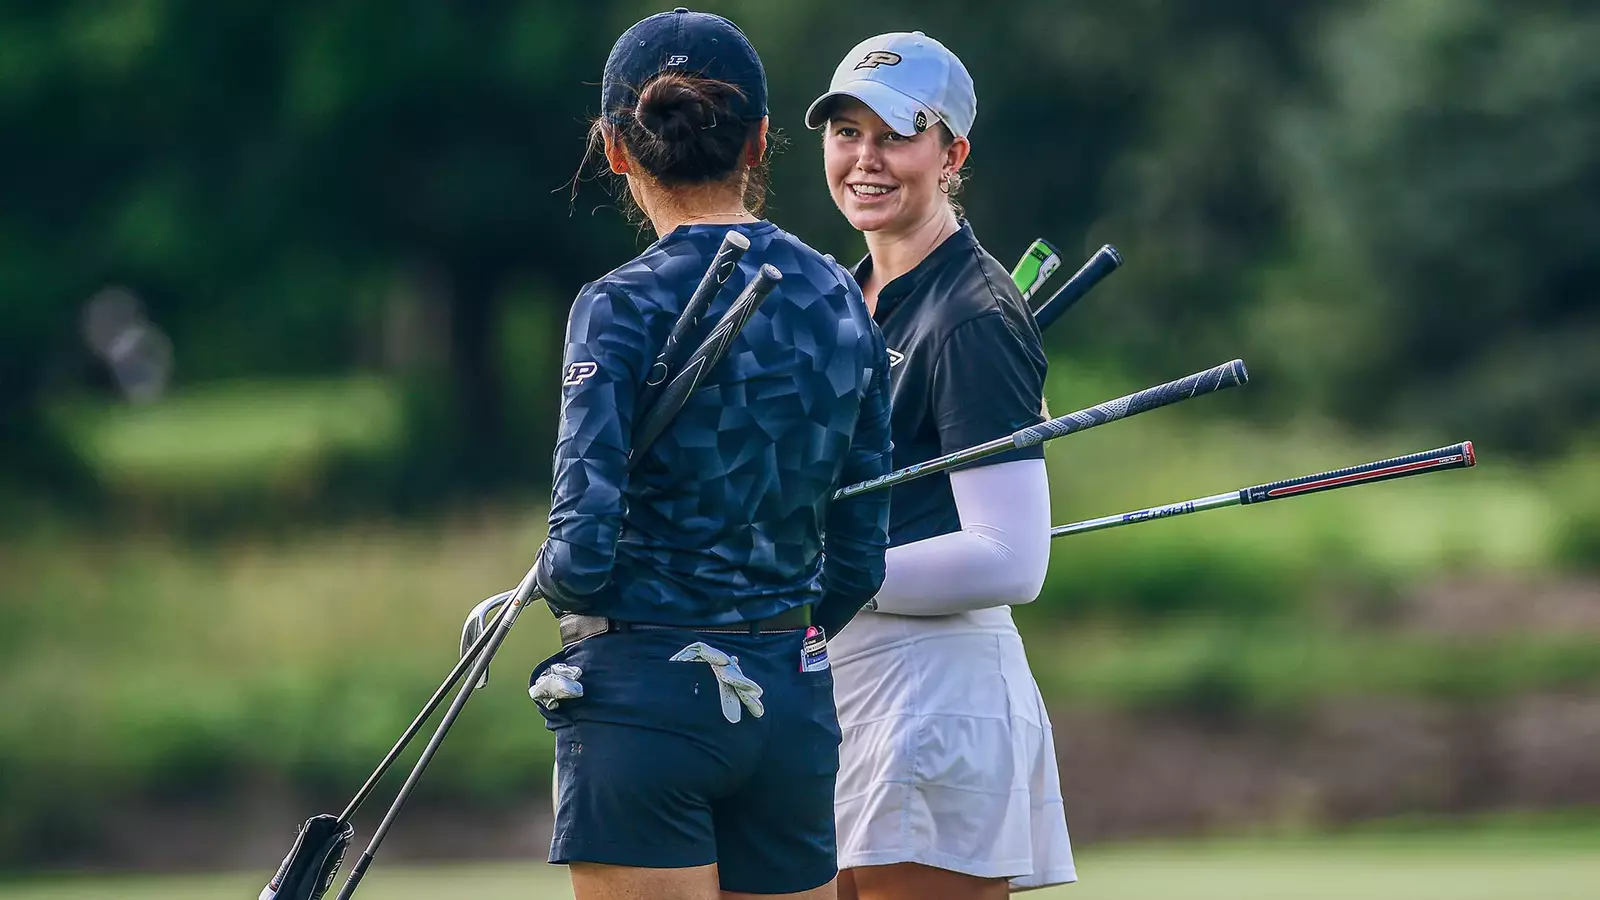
(701, 754)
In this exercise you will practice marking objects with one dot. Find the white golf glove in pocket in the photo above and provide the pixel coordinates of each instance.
(557, 683)
(735, 689)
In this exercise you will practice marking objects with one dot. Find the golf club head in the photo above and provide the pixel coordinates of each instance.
(477, 622)
(308, 871)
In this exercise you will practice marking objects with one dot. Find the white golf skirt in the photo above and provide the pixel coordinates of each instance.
(948, 758)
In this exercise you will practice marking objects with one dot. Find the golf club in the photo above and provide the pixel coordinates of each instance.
(308, 870)
(1455, 456)
(1217, 378)
(1102, 263)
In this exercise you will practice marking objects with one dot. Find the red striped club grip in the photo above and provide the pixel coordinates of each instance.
(1455, 456)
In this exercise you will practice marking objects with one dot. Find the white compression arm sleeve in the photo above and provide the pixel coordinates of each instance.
(998, 558)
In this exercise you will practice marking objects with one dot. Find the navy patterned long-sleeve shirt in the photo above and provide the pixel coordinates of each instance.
(728, 517)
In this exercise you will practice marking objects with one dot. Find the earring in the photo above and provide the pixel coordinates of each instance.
(944, 183)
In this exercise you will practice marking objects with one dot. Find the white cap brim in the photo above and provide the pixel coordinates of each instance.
(896, 109)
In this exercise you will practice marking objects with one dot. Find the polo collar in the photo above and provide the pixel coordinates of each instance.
(891, 294)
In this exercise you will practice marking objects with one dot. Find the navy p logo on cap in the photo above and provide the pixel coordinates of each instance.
(689, 43)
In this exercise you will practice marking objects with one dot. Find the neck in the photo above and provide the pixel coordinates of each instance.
(898, 252)
(711, 205)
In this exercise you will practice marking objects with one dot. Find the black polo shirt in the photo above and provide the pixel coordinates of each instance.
(966, 366)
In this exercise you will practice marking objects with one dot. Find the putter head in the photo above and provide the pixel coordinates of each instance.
(309, 869)
(478, 622)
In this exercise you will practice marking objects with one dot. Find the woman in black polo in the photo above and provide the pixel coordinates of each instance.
(948, 784)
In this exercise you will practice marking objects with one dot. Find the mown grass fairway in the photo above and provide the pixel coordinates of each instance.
(1472, 867)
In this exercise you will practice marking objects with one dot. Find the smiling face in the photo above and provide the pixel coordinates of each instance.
(880, 179)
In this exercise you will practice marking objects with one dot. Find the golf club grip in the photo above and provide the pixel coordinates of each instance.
(1217, 378)
(1102, 263)
(705, 356)
(1455, 456)
(670, 359)
(1214, 379)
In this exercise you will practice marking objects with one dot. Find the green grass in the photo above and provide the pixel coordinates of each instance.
(1387, 867)
(1279, 668)
(231, 434)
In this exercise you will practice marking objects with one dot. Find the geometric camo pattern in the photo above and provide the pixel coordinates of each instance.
(722, 520)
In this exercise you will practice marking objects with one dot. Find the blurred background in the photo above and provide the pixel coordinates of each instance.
(282, 288)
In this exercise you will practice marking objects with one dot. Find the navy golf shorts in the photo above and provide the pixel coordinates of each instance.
(650, 773)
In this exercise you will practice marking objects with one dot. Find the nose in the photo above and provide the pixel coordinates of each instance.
(868, 159)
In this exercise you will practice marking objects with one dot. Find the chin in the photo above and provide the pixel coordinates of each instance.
(869, 219)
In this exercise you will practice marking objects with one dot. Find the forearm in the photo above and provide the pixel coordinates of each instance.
(998, 558)
(605, 354)
(856, 531)
(852, 571)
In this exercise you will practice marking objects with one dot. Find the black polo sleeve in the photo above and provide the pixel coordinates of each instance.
(988, 381)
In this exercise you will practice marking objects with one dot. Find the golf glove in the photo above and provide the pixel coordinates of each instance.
(559, 682)
(735, 689)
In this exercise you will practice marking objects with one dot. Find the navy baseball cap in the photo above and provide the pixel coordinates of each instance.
(692, 43)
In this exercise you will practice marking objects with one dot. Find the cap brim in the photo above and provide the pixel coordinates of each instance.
(897, 110)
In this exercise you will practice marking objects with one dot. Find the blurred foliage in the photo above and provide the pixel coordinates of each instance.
(1383, 206)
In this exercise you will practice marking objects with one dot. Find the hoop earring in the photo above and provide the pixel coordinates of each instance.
(944, 183)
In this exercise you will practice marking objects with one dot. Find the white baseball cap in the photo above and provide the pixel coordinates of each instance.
(909, 79)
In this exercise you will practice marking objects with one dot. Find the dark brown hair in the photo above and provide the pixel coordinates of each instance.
(682, 131)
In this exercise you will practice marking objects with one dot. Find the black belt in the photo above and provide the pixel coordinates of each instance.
(575, 628)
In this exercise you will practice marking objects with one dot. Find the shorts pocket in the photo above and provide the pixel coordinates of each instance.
(561, 716)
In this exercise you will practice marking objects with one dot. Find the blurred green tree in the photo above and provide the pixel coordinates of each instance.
(1445, 178)
(1383, 206)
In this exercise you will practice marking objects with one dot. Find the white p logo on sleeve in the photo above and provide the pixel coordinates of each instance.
(579, 372)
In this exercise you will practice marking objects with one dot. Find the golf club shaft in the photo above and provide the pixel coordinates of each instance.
(416, 724)
(1217, 378)
(1455, 456)
(526, 592)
